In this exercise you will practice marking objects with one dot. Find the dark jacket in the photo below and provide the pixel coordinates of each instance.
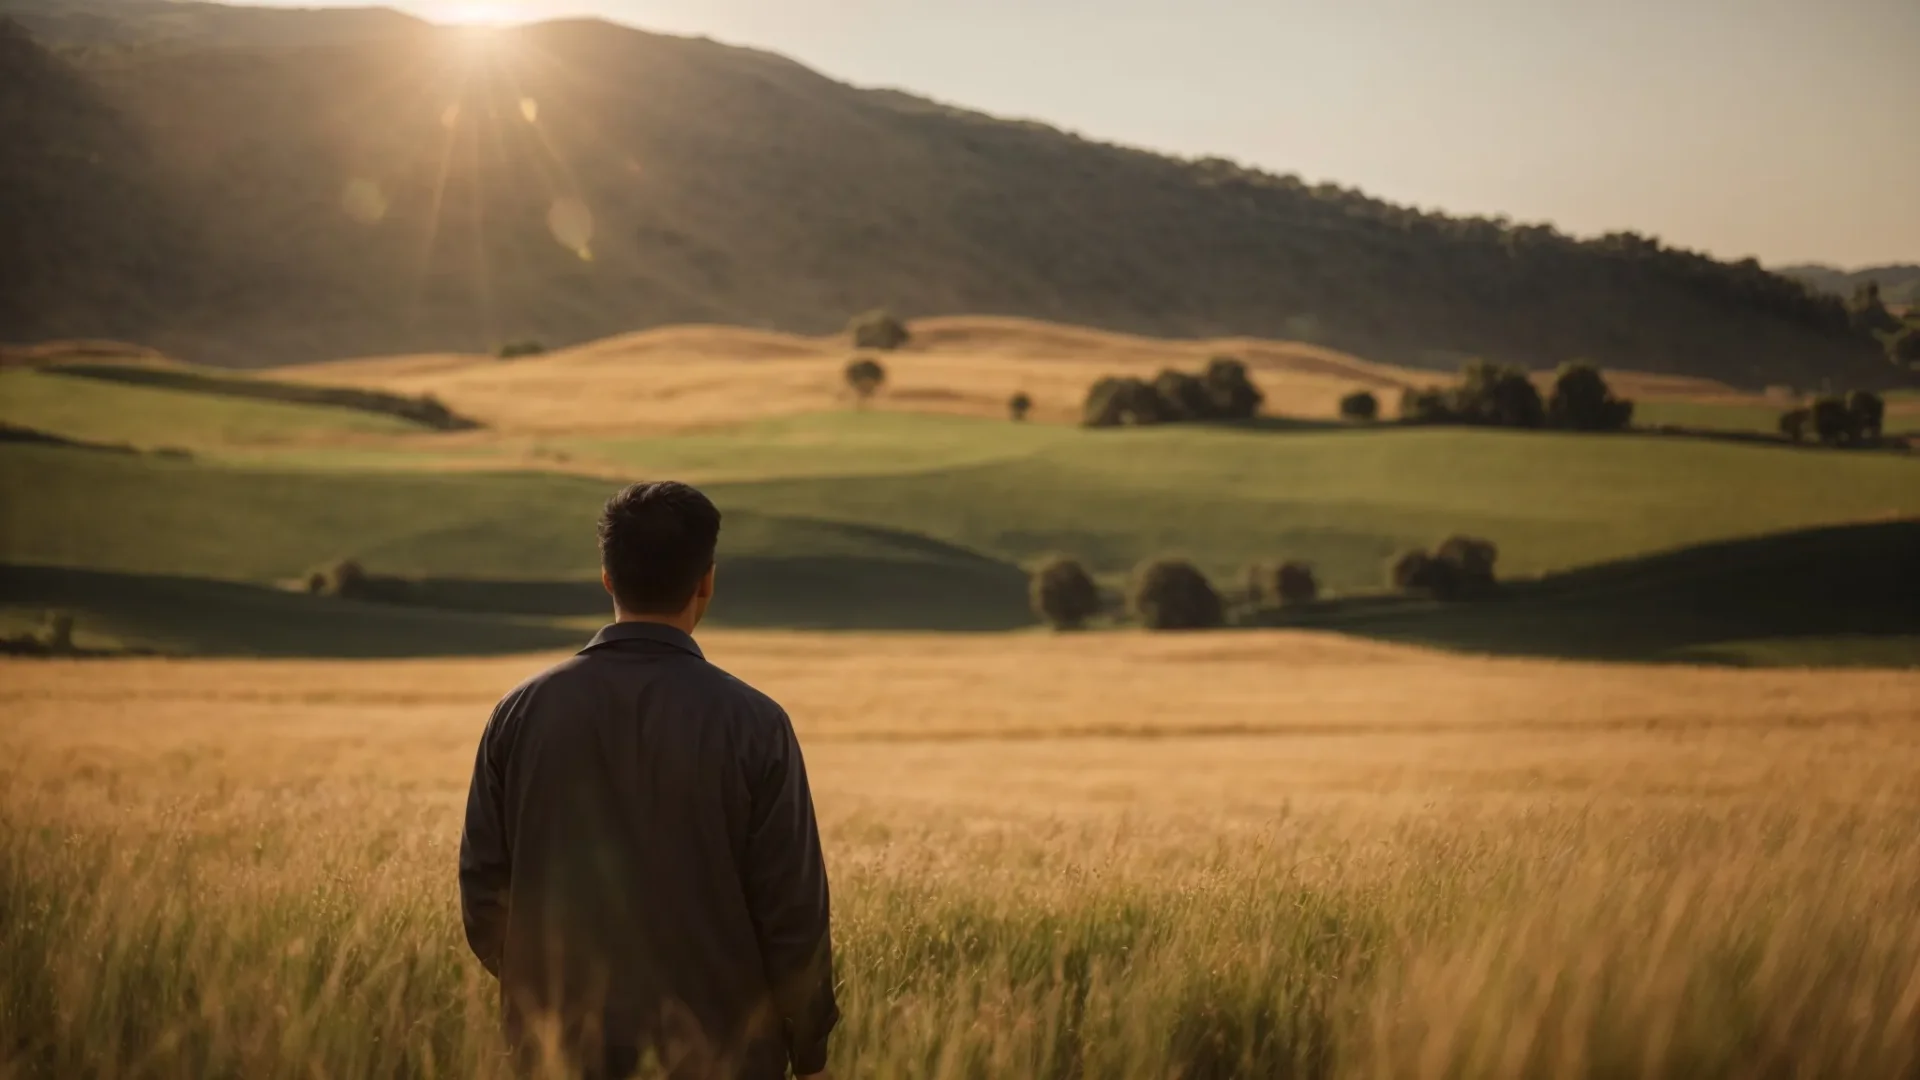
(641, 866)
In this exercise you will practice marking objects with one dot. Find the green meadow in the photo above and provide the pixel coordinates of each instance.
(859, 519)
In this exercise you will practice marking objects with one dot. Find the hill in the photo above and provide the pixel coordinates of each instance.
(251, 192)
(1899, 283)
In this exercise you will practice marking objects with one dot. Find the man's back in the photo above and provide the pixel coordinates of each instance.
(641, 866)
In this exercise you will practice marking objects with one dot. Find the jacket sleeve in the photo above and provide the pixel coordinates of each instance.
(785, 875)
(485, 860)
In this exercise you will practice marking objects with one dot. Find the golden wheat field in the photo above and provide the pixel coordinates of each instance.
(1264, 854)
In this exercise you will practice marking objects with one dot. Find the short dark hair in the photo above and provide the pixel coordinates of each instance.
(656, 543)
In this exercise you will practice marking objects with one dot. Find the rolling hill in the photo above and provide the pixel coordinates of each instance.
(1899, 283)
(255, 188)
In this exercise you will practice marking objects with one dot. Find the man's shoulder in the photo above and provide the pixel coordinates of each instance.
(694, 674)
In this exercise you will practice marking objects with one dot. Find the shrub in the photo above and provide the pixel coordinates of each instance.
(1869, 414)
(1064, 594)
(513, 350)
(1122, 402)
(1294, 583)
(1171, 594)
(1794, 422)
(1230, 391)
(1833, 423)
(878, 329)
(1582, 401)
(1360, 405)
(1019, 405)
(865, 375)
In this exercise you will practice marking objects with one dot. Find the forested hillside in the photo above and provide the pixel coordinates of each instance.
(235, 188)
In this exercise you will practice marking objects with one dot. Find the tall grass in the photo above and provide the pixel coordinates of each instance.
(311, 931)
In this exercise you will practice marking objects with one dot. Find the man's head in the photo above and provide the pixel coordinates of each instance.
(656, 552)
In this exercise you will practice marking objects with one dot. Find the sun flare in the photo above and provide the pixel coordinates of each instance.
(475, 14)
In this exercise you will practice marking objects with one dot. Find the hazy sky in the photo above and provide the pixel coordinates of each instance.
(1785, 130)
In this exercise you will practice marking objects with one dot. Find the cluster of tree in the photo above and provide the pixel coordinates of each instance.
(878, 329)
(1499, 395)
(1899, 335)
(348, 580)
(1222, 392)
(1460, 568)
(1164, 594)
(1854, 420)
(1360, 405)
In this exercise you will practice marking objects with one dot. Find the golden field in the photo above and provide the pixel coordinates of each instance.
(1257, 854)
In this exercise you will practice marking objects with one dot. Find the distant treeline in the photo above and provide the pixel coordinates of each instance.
(426, 410)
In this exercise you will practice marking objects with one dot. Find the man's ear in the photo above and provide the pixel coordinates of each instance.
(705, 591)
(606, 581)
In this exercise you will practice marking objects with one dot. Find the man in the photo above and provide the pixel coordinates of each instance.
(641, 868)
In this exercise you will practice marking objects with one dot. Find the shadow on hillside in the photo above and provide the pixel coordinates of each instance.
(199, 617)
(451, 617)
(1838, 595)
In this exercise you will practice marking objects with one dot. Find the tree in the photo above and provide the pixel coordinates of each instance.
(1171, 594)
(1582, 401)
(1867, 314)
(1470, 560)
(1869, 413)
(1430, 405)
(1185, 396)
(1231, 391)
(1294, 583)
(1903, 348)
(865, 375)
(343, 578)
(1063, 593)
(878, 329)
(1833, 423)
(1793, 423)
(1019, 405)
(1498, 395)
(1417, 571)
(1122, 402)
(1360, 405)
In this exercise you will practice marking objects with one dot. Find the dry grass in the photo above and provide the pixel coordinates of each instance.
(698, 376)
(1256, 855)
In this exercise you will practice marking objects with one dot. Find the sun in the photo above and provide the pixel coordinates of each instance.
(474, 14)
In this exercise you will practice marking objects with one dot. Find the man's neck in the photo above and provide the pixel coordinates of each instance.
(683, 623)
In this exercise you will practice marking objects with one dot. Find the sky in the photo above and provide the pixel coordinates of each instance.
(1788, 131)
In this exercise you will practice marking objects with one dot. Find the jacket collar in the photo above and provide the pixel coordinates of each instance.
(616, 634)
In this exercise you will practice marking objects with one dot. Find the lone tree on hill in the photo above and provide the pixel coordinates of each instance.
(1360, 405)
(1171, 594)
(1793, 423)
(1063, 593)
(878, 329)
(1582, 401)
(1230, 391)
(1019, 405)
(865, 375)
